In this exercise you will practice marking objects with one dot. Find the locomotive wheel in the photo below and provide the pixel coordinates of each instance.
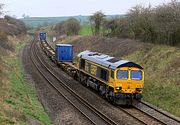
(102, 90)
(86, 82)
(111, 97)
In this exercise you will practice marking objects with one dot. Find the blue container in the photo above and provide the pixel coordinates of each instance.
(42, 36)
(64, 52)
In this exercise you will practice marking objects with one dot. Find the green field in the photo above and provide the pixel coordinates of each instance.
(85, 30)
(44, 21)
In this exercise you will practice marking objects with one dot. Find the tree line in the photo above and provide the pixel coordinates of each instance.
(160, 24)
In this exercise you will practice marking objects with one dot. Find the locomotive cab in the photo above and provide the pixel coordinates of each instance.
(128, 80)
(128, 84)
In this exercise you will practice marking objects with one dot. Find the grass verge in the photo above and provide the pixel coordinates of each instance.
(18, 102)
(162, 68)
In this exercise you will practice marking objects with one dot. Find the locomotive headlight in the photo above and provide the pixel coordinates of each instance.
(139, 89)
(118, 88)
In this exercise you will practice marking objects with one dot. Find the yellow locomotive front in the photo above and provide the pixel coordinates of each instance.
(120, 81)
(128, 84)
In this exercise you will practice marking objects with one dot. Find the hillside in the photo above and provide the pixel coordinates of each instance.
(18, 101)
(161, 64)
(43, 21)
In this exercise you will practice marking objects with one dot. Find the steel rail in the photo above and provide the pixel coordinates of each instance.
(41, 72)
(92, 108)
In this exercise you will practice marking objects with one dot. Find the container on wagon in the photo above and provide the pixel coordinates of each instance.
(64, 52)
(42, 36)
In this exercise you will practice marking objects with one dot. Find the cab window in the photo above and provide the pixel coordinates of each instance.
(136, 75)
(104, 74)
(112, 74)
(82, 63)
(122, 74)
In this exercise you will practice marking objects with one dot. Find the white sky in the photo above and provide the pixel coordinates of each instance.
(52, 8)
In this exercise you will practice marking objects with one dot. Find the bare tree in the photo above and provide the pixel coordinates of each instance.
(167, 18)
(59, 28)
(72, 26)
(158, 25)
(1, 9)
(141, 21)
(96, 21)
(117, 27)
(69, 27)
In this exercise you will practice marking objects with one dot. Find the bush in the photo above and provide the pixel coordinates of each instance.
(156, 25)
(59, 28)
(4, 42)
(10, 26)
(117, 27)
(69, 27)
(15, 26)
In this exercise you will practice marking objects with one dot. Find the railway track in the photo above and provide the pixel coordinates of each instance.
(142, 112)
(141, 116)
(144, 117)
(156, 113)
(94, 115)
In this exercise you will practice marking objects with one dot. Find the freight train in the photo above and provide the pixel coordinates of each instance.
(119, 81)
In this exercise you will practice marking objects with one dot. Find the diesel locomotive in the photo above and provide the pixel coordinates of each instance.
(119, 81)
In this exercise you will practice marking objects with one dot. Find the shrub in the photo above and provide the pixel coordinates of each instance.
(157, 25)
(15, 26)
(72, 26)
(68, 27)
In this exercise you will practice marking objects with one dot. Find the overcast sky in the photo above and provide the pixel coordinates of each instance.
(51, 8)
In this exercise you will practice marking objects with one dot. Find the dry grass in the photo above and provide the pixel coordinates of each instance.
(113, 46)
(8, 115)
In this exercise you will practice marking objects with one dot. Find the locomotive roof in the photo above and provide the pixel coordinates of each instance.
(63, 45)
(106, 60)
(42, 33)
